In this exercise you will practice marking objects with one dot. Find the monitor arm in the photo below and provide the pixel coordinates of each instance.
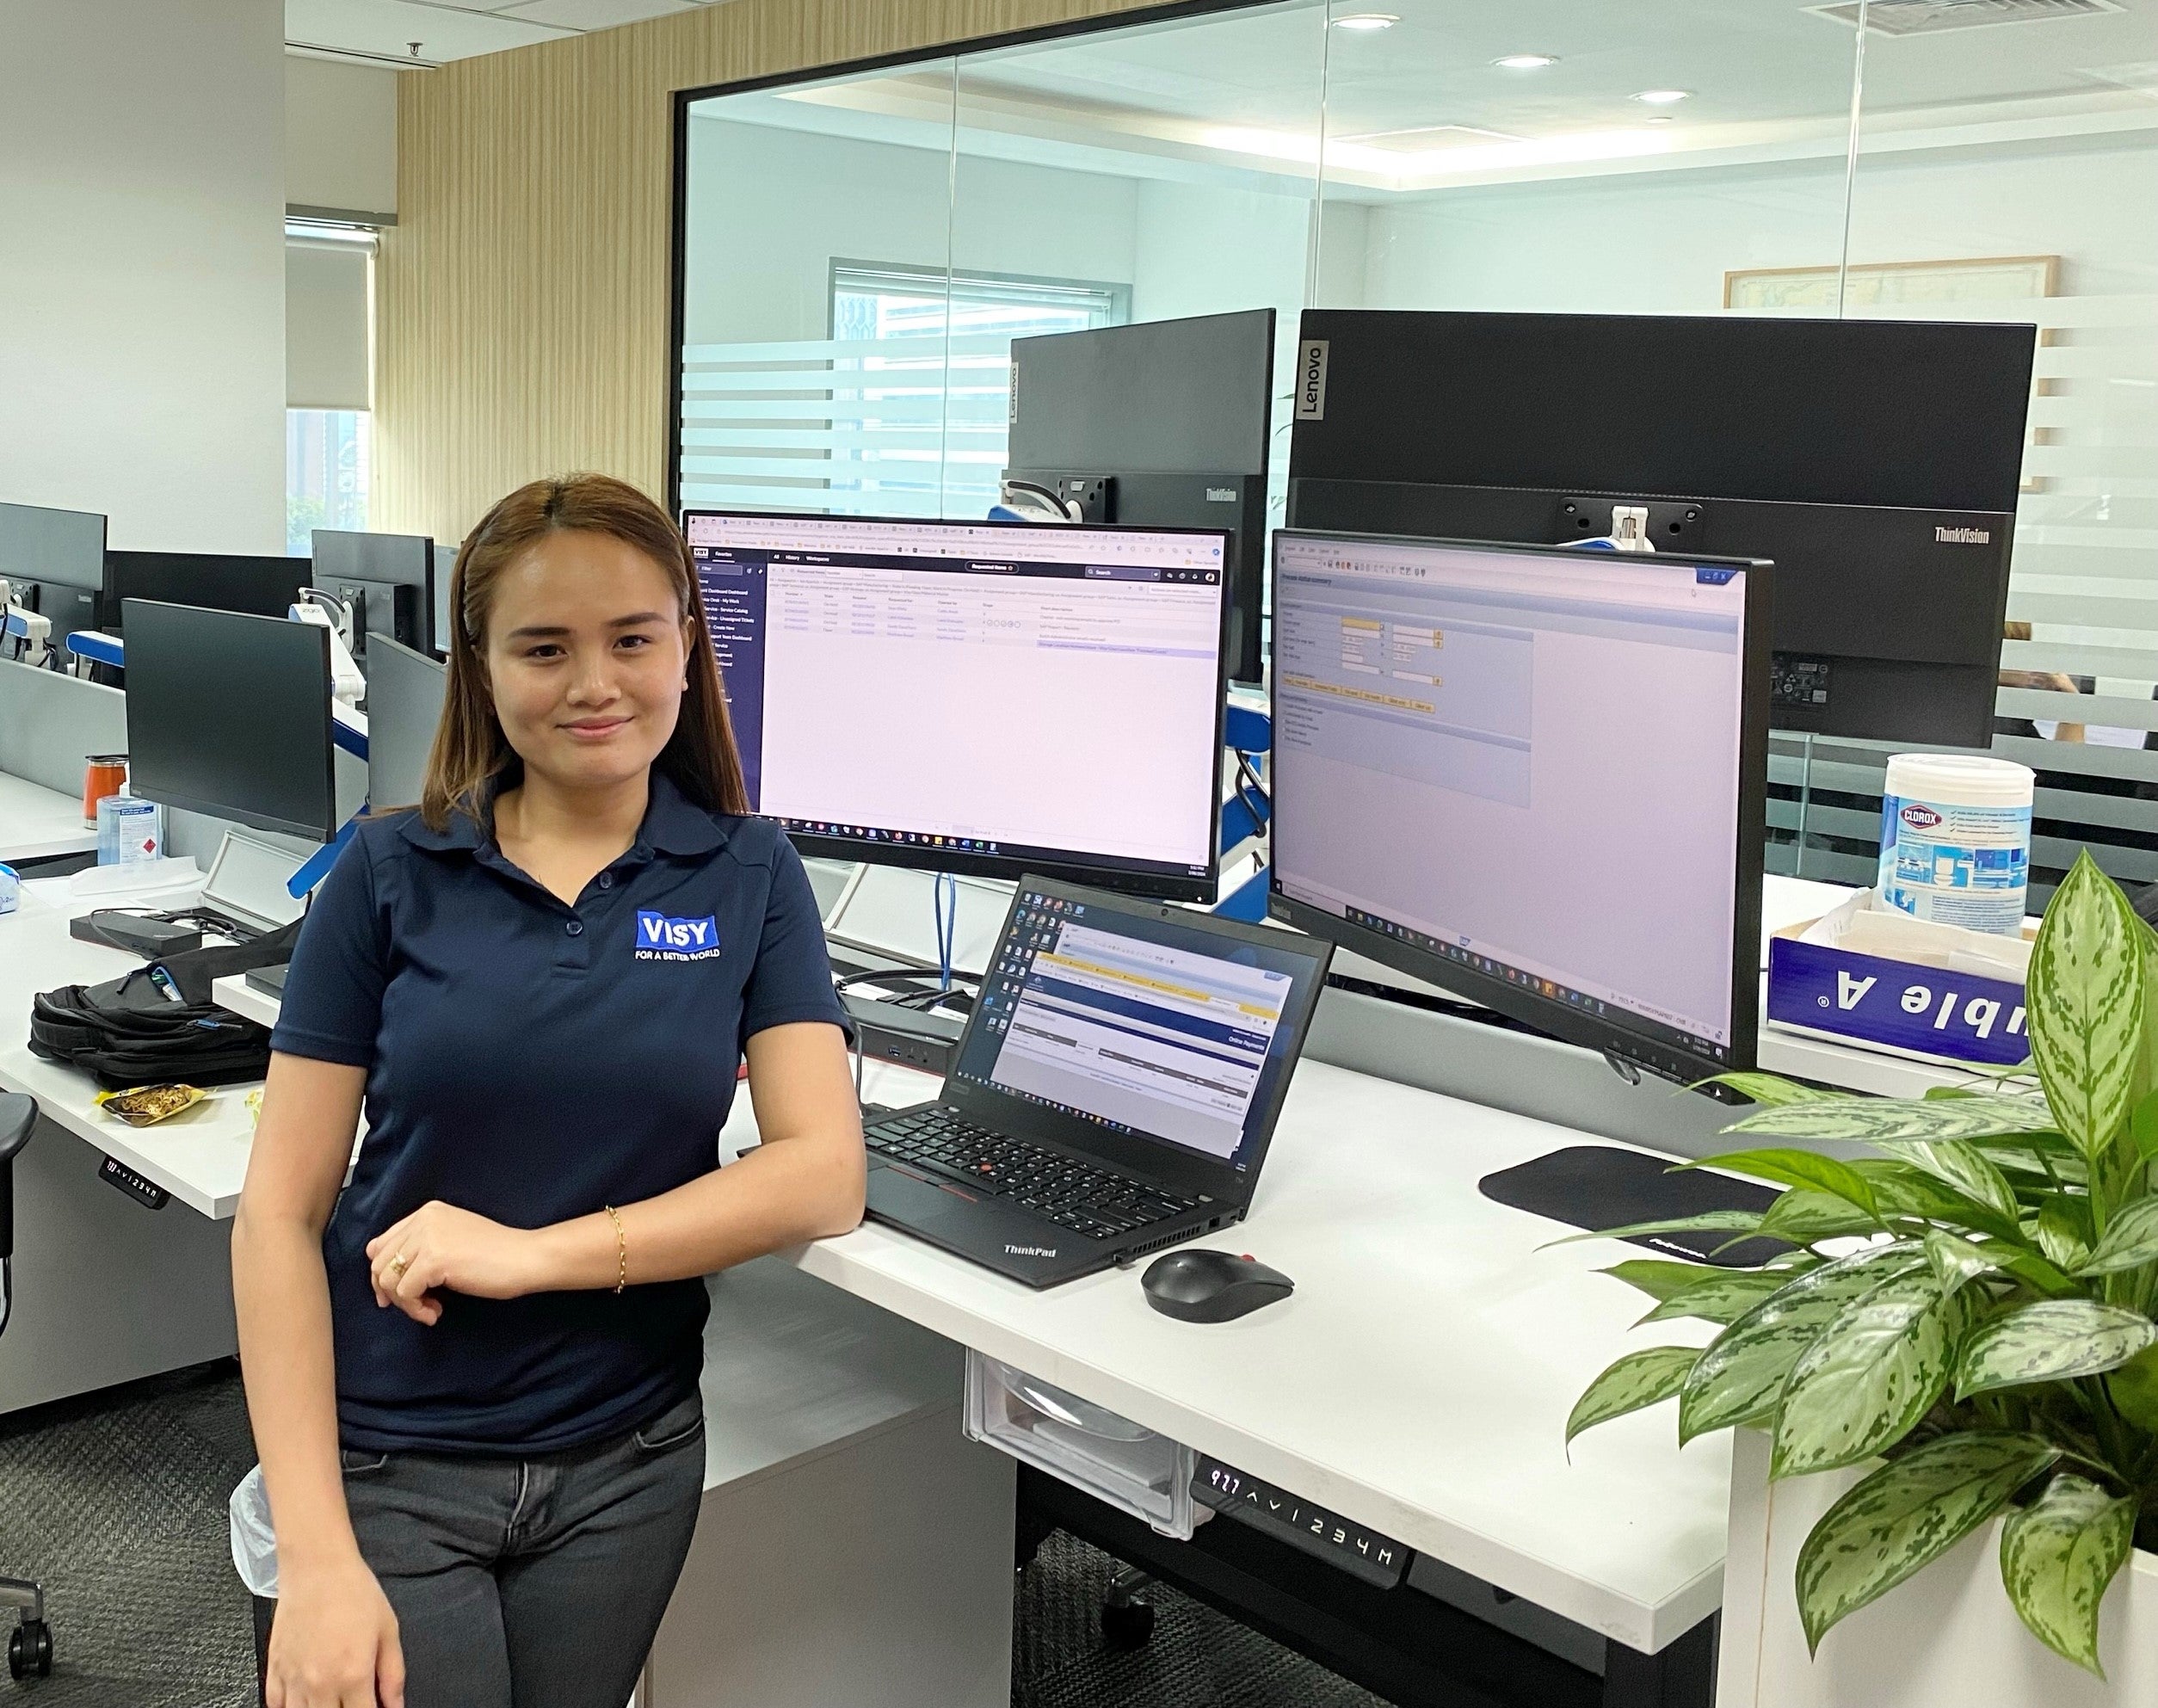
(347, 685)
(24, 625)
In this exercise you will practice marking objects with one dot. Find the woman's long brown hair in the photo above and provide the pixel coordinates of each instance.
(470, 747)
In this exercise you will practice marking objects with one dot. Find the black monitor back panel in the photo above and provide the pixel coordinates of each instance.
(1166, 423)
(215, 581)
(1876, 463)
(387, 578)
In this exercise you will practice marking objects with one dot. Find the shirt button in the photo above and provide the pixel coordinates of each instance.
(575, 928)
(606, 880)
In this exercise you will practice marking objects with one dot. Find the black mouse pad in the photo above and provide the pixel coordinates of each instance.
(1598, 1186)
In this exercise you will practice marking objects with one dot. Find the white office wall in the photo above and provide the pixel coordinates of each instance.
(341, 135)
(1660, 242)
(775, 207)
(141, 266)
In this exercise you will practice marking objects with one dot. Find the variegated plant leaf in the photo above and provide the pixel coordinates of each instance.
(1804, 1217)
(1720, 1296)
(2058, 1555)
(1963, 1166)
(1773, 1090)
(1638, 1379)
(2143, 1125)
(1907, 1192)
(1869, 1121)
(1709, 1222)
(1741, 1376)
(2133, 1389)
(2131, 1241)
(1906, 1514)
(2050, 1341)
(1959, 1262)
(2062, 1229)
(1655, 1276)
(1806, 1168)
(2085, 997)
(1869, 1375)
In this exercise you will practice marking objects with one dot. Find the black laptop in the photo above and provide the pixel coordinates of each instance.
(1114, 1090)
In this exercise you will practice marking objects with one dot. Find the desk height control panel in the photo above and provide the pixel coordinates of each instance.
(1363, 1553)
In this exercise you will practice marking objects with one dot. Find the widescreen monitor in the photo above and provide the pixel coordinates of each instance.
(405, 707)
(1533, 776)
(1166, 423)
(1877, 462)
(388, 580)
(996, 698)
(215, 581)
(229, 715)
(54, 562)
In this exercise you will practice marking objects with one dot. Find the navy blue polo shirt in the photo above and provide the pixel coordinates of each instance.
(532, 1060)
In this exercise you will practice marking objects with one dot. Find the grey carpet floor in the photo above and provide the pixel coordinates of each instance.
(116, 1505)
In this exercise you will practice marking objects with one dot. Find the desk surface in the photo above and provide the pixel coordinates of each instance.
(36, 822)
(1418, 1380)
(199, 1156)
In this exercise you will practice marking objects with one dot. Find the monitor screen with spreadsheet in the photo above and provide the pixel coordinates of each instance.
(986, 697)
(1533, 775)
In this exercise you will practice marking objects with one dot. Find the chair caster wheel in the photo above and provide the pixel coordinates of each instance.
(30, 1650)
(1126, 1625)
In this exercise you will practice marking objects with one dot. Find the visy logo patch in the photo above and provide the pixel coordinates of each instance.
(663, 937)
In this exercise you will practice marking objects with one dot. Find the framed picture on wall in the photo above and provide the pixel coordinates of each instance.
(1914, 284)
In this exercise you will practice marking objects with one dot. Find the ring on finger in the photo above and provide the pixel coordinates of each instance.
(399, 1264)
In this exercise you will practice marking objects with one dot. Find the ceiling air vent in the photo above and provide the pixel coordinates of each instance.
(1930, 17)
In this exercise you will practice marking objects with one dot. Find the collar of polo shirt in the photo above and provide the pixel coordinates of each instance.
(673, 824)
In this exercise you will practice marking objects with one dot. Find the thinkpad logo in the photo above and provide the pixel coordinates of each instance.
(1029, 1251)
(1963, 536)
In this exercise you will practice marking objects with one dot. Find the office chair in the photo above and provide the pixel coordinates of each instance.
(30, 1644)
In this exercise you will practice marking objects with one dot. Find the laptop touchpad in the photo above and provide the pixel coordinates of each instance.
(896, 1192)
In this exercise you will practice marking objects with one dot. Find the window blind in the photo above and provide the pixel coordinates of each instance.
(327, 325)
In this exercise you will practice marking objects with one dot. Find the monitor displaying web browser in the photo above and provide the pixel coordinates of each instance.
(996, 698)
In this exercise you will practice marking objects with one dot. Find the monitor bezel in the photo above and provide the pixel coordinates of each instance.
(1119, 878)
(237, 814)
(1613, 1038)
(1187, 1171)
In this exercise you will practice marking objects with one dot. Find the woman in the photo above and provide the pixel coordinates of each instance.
(473, 1377)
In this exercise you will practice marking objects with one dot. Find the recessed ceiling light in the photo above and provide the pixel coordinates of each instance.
(1525, 62)
(1368, 21)
(1664, 98)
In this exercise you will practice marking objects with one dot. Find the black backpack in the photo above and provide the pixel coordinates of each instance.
(128, 1031)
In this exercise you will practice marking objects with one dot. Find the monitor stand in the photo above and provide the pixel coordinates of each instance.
(1593, 1187)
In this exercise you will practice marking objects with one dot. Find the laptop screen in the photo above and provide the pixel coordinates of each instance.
(1168, 1030)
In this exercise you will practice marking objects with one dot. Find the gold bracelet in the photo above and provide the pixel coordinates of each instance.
(621, 1250)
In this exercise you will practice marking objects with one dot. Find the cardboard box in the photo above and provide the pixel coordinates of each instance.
(1927, 1013)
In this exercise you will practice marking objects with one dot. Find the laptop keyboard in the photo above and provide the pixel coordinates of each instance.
(1069, 1193)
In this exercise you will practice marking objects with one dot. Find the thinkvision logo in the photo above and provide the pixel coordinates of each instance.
(1029, 1251)
(1963, 536)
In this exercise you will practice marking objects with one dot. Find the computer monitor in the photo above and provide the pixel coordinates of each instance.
(996, 698)
(1164, 424)
(1531, 775)
(54, 562)
(388, 579)
(229, 714)
(445, 579)
(405, 707)
(214, 580)
(1878, 463)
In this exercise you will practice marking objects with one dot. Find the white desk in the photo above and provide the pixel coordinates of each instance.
(37, 823)
(1418, 1381)
(199, 1156)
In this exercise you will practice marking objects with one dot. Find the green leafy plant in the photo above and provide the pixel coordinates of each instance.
(1970, 1304)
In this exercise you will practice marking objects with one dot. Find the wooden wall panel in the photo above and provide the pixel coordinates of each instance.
(522, 300)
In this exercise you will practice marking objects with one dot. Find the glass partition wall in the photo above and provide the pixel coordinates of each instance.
(858, 251)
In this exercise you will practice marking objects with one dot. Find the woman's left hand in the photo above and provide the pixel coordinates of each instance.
(441, 1247)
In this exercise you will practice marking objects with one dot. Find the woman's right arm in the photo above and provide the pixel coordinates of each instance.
(334, 1644)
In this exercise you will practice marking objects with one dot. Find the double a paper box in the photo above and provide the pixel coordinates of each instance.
(1943, 994)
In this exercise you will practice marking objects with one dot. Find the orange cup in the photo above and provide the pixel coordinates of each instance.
(102, 774)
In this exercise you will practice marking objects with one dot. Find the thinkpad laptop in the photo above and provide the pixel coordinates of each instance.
(1114, 1091)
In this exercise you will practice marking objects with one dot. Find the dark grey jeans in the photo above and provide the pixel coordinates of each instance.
(535, 1582)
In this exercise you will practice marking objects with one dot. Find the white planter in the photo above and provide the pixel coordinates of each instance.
(1946, 1639)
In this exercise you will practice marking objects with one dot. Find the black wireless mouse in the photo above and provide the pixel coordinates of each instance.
(1212, 1286)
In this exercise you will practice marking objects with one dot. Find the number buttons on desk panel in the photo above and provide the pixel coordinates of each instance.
(1303, 1524)
(145, 1191)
